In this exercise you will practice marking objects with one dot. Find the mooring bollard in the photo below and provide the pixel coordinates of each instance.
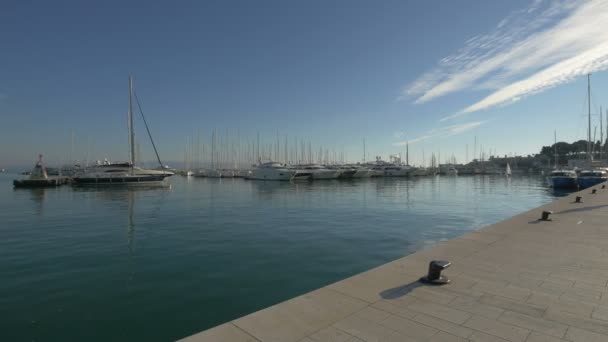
(578, 199)
(593, 191)
(603, 186)
(434, 276)
(545, 215)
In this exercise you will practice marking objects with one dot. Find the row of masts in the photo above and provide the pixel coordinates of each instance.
(232, 150)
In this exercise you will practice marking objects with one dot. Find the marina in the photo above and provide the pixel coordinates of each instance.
(313, 171)
(522, 279)
(162, 263)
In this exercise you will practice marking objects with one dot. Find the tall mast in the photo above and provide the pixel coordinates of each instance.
(131, 132)
(407, 153)
(601, 133)
(364, 156)
(589, 158)
(555, 147)
(475, 148)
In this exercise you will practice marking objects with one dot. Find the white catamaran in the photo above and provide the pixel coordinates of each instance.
(125, 174)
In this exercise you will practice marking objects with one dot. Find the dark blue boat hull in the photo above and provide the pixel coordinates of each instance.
(130, 180)
(587, 182)
(561, 182)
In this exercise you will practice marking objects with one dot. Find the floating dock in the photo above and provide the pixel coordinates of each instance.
(522, 279)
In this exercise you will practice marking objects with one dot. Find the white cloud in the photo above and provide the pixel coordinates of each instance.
(399, 135)
(531, 50)
(442, 132)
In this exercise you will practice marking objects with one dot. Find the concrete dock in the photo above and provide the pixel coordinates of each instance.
(519, 280)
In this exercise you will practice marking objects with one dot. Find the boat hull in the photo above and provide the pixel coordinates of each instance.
(376, 173)
(563, 182)
(587, 182)
(324, 174)
(271, 174)
(346, 174)
(135, 180)
(361, 173)
(396, 173)
(302, 176)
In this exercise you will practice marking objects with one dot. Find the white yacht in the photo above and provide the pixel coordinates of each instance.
(108, 168)
(384, 169)
(361, 172)
(376, 171)
(319, 171)
(272, 171)
(392, 170)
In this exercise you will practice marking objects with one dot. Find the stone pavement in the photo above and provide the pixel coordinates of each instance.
(518, 280)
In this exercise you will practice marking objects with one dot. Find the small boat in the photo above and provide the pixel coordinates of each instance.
(563, 179)
(508, 170)
(39, 178)
(589, 178)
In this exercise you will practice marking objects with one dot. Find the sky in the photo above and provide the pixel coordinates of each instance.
(436, 75)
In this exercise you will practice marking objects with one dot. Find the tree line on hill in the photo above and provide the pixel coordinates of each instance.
(575, 150)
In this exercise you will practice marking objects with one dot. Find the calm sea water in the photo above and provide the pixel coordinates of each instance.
(160, 264)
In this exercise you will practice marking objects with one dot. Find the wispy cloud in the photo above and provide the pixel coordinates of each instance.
(399, 135)
(531, 50)
(442, 132)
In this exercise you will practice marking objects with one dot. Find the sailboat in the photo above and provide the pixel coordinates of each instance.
(591, 176)
(508, 170)
(125, 174)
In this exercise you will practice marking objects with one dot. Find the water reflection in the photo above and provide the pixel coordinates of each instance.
(126, 199)
(38, 196)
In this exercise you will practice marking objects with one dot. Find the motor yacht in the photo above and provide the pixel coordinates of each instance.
(272, 171)
(589, 178)
(563, 179)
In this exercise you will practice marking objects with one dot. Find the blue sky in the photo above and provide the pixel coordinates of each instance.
(437, 73)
